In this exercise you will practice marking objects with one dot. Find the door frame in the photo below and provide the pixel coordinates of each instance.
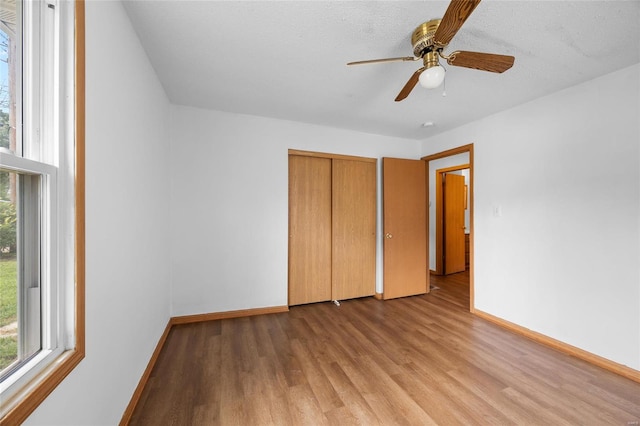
(454, 151)
(440, 214)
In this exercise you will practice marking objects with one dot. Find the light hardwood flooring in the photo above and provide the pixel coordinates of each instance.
(419, 360)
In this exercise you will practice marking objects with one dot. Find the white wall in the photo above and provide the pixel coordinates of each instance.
(562, 259)
(127, 219)
(230, 198)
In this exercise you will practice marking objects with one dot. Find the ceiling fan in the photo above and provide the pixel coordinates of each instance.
(429, 40)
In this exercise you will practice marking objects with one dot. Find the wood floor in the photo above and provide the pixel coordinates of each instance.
(418, 360)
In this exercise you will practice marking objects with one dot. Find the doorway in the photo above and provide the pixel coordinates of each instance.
(458, 159)
(452, 219)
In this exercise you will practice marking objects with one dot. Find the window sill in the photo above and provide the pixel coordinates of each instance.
(24, 402)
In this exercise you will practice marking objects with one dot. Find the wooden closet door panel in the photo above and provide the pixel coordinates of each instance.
(354, 229)
(309, 229)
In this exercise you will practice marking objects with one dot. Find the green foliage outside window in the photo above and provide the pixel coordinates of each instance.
(8, 228)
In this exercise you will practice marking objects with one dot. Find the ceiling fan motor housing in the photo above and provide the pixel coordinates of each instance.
(422, 37)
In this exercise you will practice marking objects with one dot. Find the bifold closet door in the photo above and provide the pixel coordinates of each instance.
(353, 229)
(309, 229)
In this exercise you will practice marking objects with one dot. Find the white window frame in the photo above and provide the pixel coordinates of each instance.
(51, 146)
(52, 343)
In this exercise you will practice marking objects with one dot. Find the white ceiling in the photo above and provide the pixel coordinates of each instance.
(287, 59)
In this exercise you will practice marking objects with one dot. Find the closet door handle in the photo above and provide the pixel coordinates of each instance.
(388, 235)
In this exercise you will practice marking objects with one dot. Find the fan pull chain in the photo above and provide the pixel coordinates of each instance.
(444, 83)
(444, 87)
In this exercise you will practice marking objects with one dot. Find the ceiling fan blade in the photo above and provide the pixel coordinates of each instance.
(481, 61)
(410, 85)
(457, 12)
(378, 61)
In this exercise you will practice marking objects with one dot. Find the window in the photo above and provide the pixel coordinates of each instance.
(41, 199)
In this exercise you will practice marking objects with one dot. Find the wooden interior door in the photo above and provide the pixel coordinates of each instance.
(353, 229)
(309, 229)
(405, 227)
(454, 257)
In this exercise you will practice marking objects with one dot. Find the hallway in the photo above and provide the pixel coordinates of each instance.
(452, 288)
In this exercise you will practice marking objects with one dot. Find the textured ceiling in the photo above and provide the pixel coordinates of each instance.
(287, 59)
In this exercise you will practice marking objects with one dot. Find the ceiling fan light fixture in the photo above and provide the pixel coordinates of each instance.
(431, 38)
(432, 77)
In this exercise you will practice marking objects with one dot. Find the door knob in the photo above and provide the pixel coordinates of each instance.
(388, 235)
